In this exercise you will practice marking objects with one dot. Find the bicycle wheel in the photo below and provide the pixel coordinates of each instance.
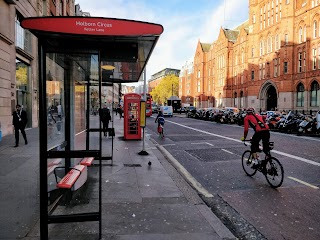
(274, 172)
(247, 163)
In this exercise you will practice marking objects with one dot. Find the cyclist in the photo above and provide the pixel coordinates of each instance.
(261, 132)
(160, 120)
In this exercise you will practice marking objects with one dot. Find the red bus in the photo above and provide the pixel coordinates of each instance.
(148, 104)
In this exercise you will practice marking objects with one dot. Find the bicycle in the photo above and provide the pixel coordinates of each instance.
(160, 131)
(271, 167)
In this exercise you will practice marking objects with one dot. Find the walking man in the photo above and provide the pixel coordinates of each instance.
(19, 121)
(105, 117)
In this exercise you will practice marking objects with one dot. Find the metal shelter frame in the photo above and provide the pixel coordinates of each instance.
(126, 45)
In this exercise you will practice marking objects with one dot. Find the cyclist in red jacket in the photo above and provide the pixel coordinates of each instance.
(261, 132)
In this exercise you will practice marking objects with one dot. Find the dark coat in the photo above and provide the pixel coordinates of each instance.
(19, 119)
(105, 114)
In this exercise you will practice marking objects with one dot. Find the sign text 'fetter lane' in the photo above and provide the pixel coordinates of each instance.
(93, 26)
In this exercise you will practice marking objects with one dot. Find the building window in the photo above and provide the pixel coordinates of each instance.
(315, 29)
(319, 57)
(23, 87)
(23, 37)
(261, 48)
(299, 62)
(275, 69)
(252, 75)
(198, 73)
(260, 71)
(300, 95)
(235, 96)
(314, 59)
(285, 67)
(252, 52)
(276, 42)
(198, 87)
(315, 94)
(286, 39)
(61, 8)
(304, 62)
(300, 35)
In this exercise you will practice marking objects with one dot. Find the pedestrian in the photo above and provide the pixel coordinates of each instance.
(19, 121)
(105, 117)
(59, 118)
(120, 111)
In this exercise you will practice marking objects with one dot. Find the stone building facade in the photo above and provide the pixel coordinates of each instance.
(271, 61)
(18, 56)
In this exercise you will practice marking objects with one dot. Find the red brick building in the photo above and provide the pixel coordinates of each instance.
(270, 61)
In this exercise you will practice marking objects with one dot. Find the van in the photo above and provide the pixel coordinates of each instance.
(167, 110)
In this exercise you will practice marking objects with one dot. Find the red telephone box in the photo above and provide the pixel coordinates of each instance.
(131, 111)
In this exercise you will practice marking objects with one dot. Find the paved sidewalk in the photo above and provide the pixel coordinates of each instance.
(139, 202)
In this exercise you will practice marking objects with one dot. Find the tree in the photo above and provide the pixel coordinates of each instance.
(168, 86)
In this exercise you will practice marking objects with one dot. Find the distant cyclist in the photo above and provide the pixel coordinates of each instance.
(261, 132)
(160, 119)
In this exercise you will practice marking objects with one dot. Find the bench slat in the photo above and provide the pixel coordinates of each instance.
(68, 180)
(87, 161)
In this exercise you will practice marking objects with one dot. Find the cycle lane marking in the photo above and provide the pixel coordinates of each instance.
(239, 141)
(226, 151)
(303, 182)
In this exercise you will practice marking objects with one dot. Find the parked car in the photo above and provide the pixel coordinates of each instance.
(154, 108)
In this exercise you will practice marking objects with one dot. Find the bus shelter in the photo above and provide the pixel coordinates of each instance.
(78, 58)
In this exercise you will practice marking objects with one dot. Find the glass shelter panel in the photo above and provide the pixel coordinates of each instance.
(72, 83)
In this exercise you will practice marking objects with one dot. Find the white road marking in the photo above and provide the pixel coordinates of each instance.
(200, 143)
(209, 144)
(169, 144)
(303, 182)
(226, 151)
(239, 141)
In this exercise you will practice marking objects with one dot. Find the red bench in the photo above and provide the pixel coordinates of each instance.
(68, 180)
(87, 161)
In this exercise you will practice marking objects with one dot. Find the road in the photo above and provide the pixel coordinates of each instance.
(211, 153)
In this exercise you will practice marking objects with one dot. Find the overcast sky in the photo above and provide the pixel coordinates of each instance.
(184, 22)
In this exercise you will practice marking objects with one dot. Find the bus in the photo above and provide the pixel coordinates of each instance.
(148, 104)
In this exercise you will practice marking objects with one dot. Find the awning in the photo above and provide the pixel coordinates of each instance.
(125, 45)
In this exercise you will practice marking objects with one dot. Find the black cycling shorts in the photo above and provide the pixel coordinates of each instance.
(263, 135)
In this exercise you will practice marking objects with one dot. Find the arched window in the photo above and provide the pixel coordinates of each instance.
(276, 42)
(314, 94)
(300, 95)
(241, 99)
(300, 35)
(315, 29)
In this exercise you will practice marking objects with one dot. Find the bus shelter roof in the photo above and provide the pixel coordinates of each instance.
(125, 46)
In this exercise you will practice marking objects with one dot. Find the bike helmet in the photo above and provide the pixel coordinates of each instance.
(250, 110)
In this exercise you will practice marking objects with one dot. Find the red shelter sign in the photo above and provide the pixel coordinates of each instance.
(92, 26)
